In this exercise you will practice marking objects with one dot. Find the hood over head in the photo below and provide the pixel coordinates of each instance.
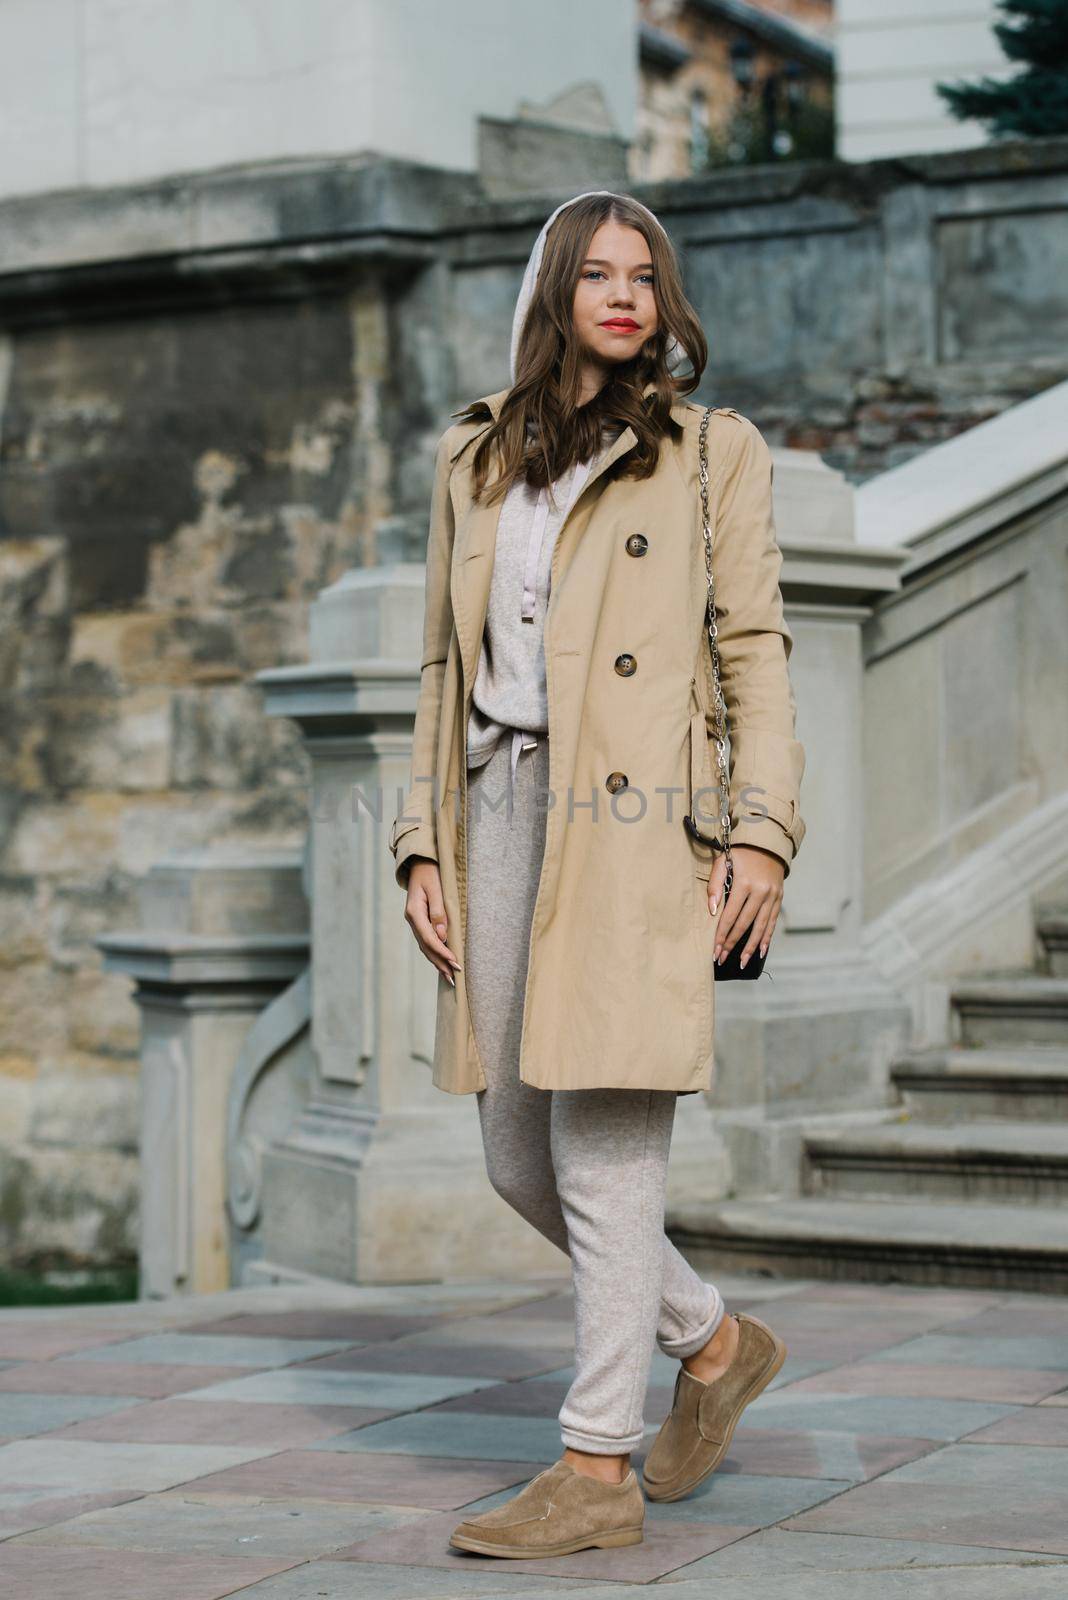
(676, 352)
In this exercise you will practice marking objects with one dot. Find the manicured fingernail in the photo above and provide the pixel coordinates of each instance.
(763, 950)
(742, 962)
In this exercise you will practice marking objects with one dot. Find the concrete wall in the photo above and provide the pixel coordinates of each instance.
(97, 92)
(889, 59)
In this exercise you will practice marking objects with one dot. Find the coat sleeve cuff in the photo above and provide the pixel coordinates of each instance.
(407, 840)
(772, 824)
(768, 835)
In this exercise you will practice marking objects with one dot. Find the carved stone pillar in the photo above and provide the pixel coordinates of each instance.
(223, 934)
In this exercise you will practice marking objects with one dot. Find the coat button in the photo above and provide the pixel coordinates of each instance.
(616, 781)
(637, 544)
(626, 665)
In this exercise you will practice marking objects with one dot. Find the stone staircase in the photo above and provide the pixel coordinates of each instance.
(967, 1184)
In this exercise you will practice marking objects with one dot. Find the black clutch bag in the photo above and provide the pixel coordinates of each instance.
(731, 966)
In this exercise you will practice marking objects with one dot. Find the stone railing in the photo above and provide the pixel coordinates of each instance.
(966, 703)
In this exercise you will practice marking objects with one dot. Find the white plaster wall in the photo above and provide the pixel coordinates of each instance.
(890, 55)
(96, 92)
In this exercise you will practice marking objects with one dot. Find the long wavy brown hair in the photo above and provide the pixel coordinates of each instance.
(542, 430)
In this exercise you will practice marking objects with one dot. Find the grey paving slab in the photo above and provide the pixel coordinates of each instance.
(834, 1348)
(22, 1510)
(1045, 1425)
(457, 1433)
(44, 1341)
(916, 1419)
(551, 1308)
(662, 1369)
(195, 1349)
(751, 1289)
(725, 1500)
(142, 1380)
(973, 1350)
(22, 1415)
(86, 1574)
(183, 1421)
(752, 1501)
(1001, 1582)
(477, 1360)
(875, 1298)
(771, 1552)
(438, 1484)
(548, 1333)
(565, 1376)
(350, 1580)
(301, 1386)
(1014, 1385)
(794, 1370)
(354, 1327)
(992, 1465)
(535, 1398)
(801, 1319)
(819, 1455)
(1016, 1320)
(70, 1463)
(1010, 1517)
(665, 1548)
(208, 1524)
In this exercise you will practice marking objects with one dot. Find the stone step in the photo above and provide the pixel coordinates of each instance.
(1011, 1008)
(1016, 1163)
(1051, 924)
(878, 1241)
(1028, 1082)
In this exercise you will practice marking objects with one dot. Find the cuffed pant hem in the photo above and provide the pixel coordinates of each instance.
(598, 1444)
(690, 1343)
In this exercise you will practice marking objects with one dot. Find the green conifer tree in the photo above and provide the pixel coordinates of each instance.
(1034, 103)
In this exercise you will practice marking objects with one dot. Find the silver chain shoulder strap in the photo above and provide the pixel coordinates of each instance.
(720, 708)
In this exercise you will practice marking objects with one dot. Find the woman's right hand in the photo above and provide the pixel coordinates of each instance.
(424, 912)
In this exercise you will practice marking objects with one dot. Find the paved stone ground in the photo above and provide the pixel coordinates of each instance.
(320, 1443)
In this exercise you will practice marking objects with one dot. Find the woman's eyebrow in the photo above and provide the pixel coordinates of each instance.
(595, 261)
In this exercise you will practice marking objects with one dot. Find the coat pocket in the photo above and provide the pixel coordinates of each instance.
(702, 815)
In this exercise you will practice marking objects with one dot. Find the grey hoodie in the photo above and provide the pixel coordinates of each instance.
(510, 695)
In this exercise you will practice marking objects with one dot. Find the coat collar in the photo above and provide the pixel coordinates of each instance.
(494, 402)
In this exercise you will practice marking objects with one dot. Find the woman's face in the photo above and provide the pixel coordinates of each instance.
(615, 306)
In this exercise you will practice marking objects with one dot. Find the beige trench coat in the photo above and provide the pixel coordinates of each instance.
(620, 982)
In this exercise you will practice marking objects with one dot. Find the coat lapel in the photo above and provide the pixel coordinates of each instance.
(475, 539)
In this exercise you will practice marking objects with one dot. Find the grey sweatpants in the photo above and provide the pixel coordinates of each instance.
(587, 1167)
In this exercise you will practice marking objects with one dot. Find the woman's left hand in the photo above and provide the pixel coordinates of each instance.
(755, 898)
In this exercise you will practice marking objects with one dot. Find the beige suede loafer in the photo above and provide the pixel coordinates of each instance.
(697, 1435)
(558, 1512)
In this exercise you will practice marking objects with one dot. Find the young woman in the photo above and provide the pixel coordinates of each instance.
(562, 738)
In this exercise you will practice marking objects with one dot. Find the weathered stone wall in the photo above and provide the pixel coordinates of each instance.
(217, 394)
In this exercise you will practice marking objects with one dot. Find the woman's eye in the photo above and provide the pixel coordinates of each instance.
(595, 272)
